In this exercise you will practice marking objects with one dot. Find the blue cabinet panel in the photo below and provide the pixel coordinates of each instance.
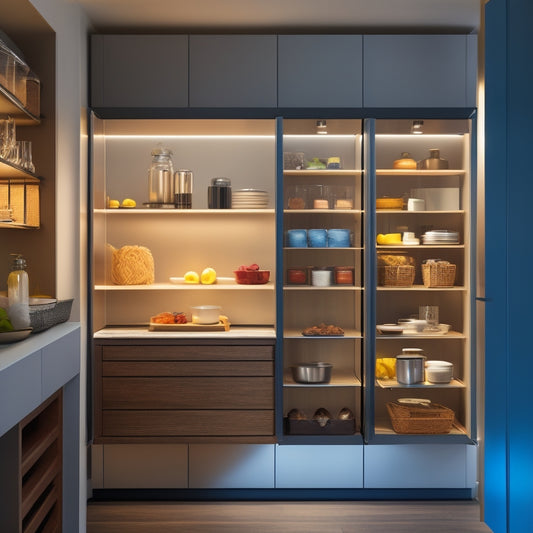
(417, 71)
(232, 71)
(320, 71)
(139, 71)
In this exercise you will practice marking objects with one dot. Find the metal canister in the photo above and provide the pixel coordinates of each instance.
(219, 194)
(410, 368)
(183, 189)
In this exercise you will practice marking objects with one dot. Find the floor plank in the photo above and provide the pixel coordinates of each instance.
(297, 517)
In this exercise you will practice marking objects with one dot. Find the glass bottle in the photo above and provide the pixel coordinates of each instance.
(161, 178)
(17, 282)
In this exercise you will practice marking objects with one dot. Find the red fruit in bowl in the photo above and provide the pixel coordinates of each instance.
(253, 267)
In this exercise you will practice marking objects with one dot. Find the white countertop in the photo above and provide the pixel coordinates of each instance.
(235, 332)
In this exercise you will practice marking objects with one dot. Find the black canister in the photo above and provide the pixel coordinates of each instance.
(219, 194)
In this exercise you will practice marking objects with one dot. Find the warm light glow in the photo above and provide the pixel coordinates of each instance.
(417, 127)
(137, 136)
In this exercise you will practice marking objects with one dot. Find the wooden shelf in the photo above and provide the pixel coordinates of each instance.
(455, 288)
(414, 172)
(12, 171)
(297, 334)
(313, 288)
(322, 211)
(449, 335)
(230, 286)
(336, 381)
(393, 384)
(181, 212)
(405, 212)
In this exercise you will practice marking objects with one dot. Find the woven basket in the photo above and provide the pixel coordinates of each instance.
(46, 316)
(438, 274)
(396, 276)
(430, 419)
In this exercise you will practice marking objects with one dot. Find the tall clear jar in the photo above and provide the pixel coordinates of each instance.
(161, 178)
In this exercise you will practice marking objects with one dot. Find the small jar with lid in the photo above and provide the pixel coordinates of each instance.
(344, 275)
(219, 194)
(297, 276)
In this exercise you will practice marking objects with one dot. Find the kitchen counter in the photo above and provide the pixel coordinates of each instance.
(140, 333)
(34, 368)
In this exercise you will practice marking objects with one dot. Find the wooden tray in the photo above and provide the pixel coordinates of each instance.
(223, 325)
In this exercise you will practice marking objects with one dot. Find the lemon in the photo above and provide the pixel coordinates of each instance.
(128, 202)
(191, 277)
(114, 204)
(208, 276)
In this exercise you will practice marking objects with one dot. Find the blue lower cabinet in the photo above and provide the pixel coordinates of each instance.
(231, 466)
(420, 466)
(319, 467)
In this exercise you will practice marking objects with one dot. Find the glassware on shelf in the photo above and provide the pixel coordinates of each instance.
(7, 137)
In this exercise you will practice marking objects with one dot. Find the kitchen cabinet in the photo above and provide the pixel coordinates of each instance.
(19, 188)
(232, 71)
(326, 201)
(418, 71)
(139, 71)
(317, 71)
(448, 205)
(184, 392)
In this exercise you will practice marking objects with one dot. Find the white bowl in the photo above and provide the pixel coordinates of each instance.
(206, 314)
(439, 371)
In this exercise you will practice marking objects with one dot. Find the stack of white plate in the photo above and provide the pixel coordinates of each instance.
(249, 199)
(440, 236)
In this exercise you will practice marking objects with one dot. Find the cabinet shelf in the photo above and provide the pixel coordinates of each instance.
(449, 335)
(407, 172)
(10, 105)
(232, 286)
(406, 212)
(323, 211)
(315, 248)
(384, 428)
(419, 246)
(324, 172)
(181, 212)
(313, 288)
(455, 288)
(393, 384)
(12, 171)
(297, 334)
(336, 381)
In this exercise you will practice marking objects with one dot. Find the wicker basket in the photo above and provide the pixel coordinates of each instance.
(430, 419)
(46, 316)
(438, 274)
(396, 276)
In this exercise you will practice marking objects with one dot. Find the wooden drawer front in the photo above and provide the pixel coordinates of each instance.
(221, 423)
(188, 353)
(188, 393)
(188, 368)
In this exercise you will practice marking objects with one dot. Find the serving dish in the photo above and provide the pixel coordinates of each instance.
(390, 329)
(252, 277)
(7, 337)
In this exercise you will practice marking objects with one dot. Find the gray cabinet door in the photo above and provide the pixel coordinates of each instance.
(139, 71)
(418, 71)
(232, 71)
(320, 71)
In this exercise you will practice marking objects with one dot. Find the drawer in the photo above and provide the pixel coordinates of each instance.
(214, 423)
(188, 368)
(188, 393)
(188, 353)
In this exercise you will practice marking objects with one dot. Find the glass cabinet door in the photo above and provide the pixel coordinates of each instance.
(322, 287)
(422, 363)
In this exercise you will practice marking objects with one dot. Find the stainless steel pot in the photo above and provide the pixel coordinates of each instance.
(312, 372)
(410, 368)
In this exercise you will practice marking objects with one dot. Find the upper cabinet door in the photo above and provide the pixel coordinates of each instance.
(419, 71)
(232, 71)
(320, 71)
(139, 71)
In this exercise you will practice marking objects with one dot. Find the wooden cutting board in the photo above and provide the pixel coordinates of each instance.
(223, 325)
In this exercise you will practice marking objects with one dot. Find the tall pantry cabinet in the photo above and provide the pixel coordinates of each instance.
(322, 223)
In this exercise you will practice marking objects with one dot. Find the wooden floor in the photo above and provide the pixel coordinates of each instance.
(285, 517)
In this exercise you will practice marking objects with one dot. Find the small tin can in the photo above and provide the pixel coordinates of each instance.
(344, 275)
(297, 276)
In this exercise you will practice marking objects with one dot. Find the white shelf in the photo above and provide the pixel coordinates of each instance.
(315, 248)
(408, 172)
(393, 384)
(384, 427)
(449, 335)
(423, 246)
(231, 286)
